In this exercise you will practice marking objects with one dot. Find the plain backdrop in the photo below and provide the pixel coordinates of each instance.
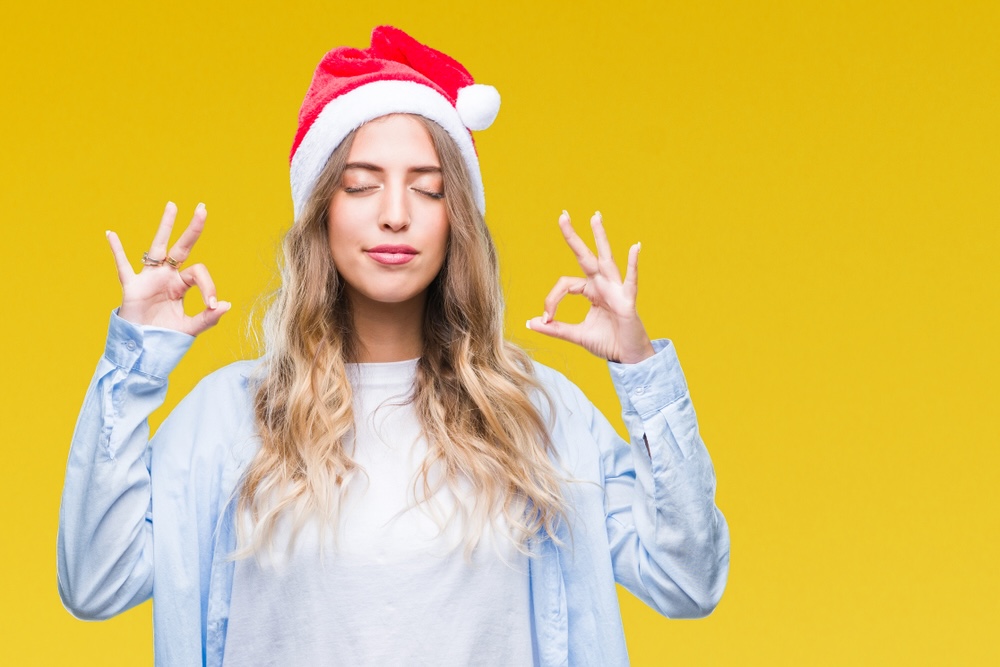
(815, 185)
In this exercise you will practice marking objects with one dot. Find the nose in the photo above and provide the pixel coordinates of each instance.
(395, 211)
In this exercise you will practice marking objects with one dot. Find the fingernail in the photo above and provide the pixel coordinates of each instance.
(565, 213)
(107, 233)
(170, 203)
(213, 303)
(638, 246)
(598, 214)
(199, 207)
(546, 317)
(528, 324)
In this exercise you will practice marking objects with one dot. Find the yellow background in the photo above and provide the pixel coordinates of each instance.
(816, 189)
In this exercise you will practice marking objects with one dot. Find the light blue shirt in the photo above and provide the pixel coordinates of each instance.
(644, 518)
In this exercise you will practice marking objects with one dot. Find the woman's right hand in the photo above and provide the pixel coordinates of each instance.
(155, 295)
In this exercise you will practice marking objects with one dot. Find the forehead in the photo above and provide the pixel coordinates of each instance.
(396, 140)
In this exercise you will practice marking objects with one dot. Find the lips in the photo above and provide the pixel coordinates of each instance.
(392, 254)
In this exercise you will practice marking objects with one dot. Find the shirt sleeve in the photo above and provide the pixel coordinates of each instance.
(669, 542)
(104, 545)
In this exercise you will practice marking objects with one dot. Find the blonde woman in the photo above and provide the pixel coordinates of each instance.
(393, 482)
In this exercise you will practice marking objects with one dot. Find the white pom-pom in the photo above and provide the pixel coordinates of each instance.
(478, 106)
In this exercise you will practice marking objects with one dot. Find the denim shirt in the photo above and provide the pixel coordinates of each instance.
(641, 513)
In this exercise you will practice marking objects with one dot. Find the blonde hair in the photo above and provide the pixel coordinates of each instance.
(472, 392)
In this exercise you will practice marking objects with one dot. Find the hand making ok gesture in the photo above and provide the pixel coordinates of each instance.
(612, 328)
(155, 295)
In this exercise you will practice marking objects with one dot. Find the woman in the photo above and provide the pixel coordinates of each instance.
(393, 482)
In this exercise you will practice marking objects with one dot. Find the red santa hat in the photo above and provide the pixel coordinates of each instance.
(396, 74)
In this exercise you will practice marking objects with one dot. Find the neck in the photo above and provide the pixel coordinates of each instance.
(388, 331)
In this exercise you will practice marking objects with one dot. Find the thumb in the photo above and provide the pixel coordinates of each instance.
(209, 317)
(556, 329)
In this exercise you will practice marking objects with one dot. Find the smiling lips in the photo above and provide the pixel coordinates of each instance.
(392, 254)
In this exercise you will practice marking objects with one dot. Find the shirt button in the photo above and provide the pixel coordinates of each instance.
(130, 345)
(640, 391)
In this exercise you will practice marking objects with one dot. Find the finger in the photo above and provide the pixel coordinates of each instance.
(197, 275)
(561, 330)
(584, 257)
(182, 249)
(631, 282)
(604, 256)
(565, 285)
(158, 248)
(208, 318)
(125, 272)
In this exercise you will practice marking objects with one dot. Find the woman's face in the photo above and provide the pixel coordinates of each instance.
(387, 220)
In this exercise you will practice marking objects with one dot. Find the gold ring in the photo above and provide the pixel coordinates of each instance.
(149, 261)
(171, 261)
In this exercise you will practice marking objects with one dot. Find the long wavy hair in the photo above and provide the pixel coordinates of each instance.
(487, 441)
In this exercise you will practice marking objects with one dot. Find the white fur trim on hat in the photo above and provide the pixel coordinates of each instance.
(373, 100)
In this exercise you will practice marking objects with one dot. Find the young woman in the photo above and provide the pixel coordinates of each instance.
(393, 482)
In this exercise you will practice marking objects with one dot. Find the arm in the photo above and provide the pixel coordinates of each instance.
(105, 534)
(104, 552)
(669, 542)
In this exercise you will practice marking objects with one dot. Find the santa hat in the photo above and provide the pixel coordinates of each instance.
(396, 74)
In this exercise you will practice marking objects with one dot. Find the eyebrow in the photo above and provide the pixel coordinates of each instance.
(367, 166)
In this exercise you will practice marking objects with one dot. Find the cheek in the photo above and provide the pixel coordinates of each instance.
(339, 233)
(441, 233)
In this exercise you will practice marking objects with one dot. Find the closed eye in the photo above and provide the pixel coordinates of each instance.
(430, 193)
(360, 188)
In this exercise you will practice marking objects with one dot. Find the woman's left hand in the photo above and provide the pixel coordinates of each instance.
(612, 328)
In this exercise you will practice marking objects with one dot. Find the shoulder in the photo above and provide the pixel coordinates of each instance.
(552, 380)
(222, 390)
(565, 397)
(225, 396)
(214, 417)
(577, 429)
(234, 380)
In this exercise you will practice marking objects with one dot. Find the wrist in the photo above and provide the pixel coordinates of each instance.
(634, 344)
(636, 355)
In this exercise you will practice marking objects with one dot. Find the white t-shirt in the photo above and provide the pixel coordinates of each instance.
(397, 587)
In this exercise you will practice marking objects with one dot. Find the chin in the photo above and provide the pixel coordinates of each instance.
(387, 297)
